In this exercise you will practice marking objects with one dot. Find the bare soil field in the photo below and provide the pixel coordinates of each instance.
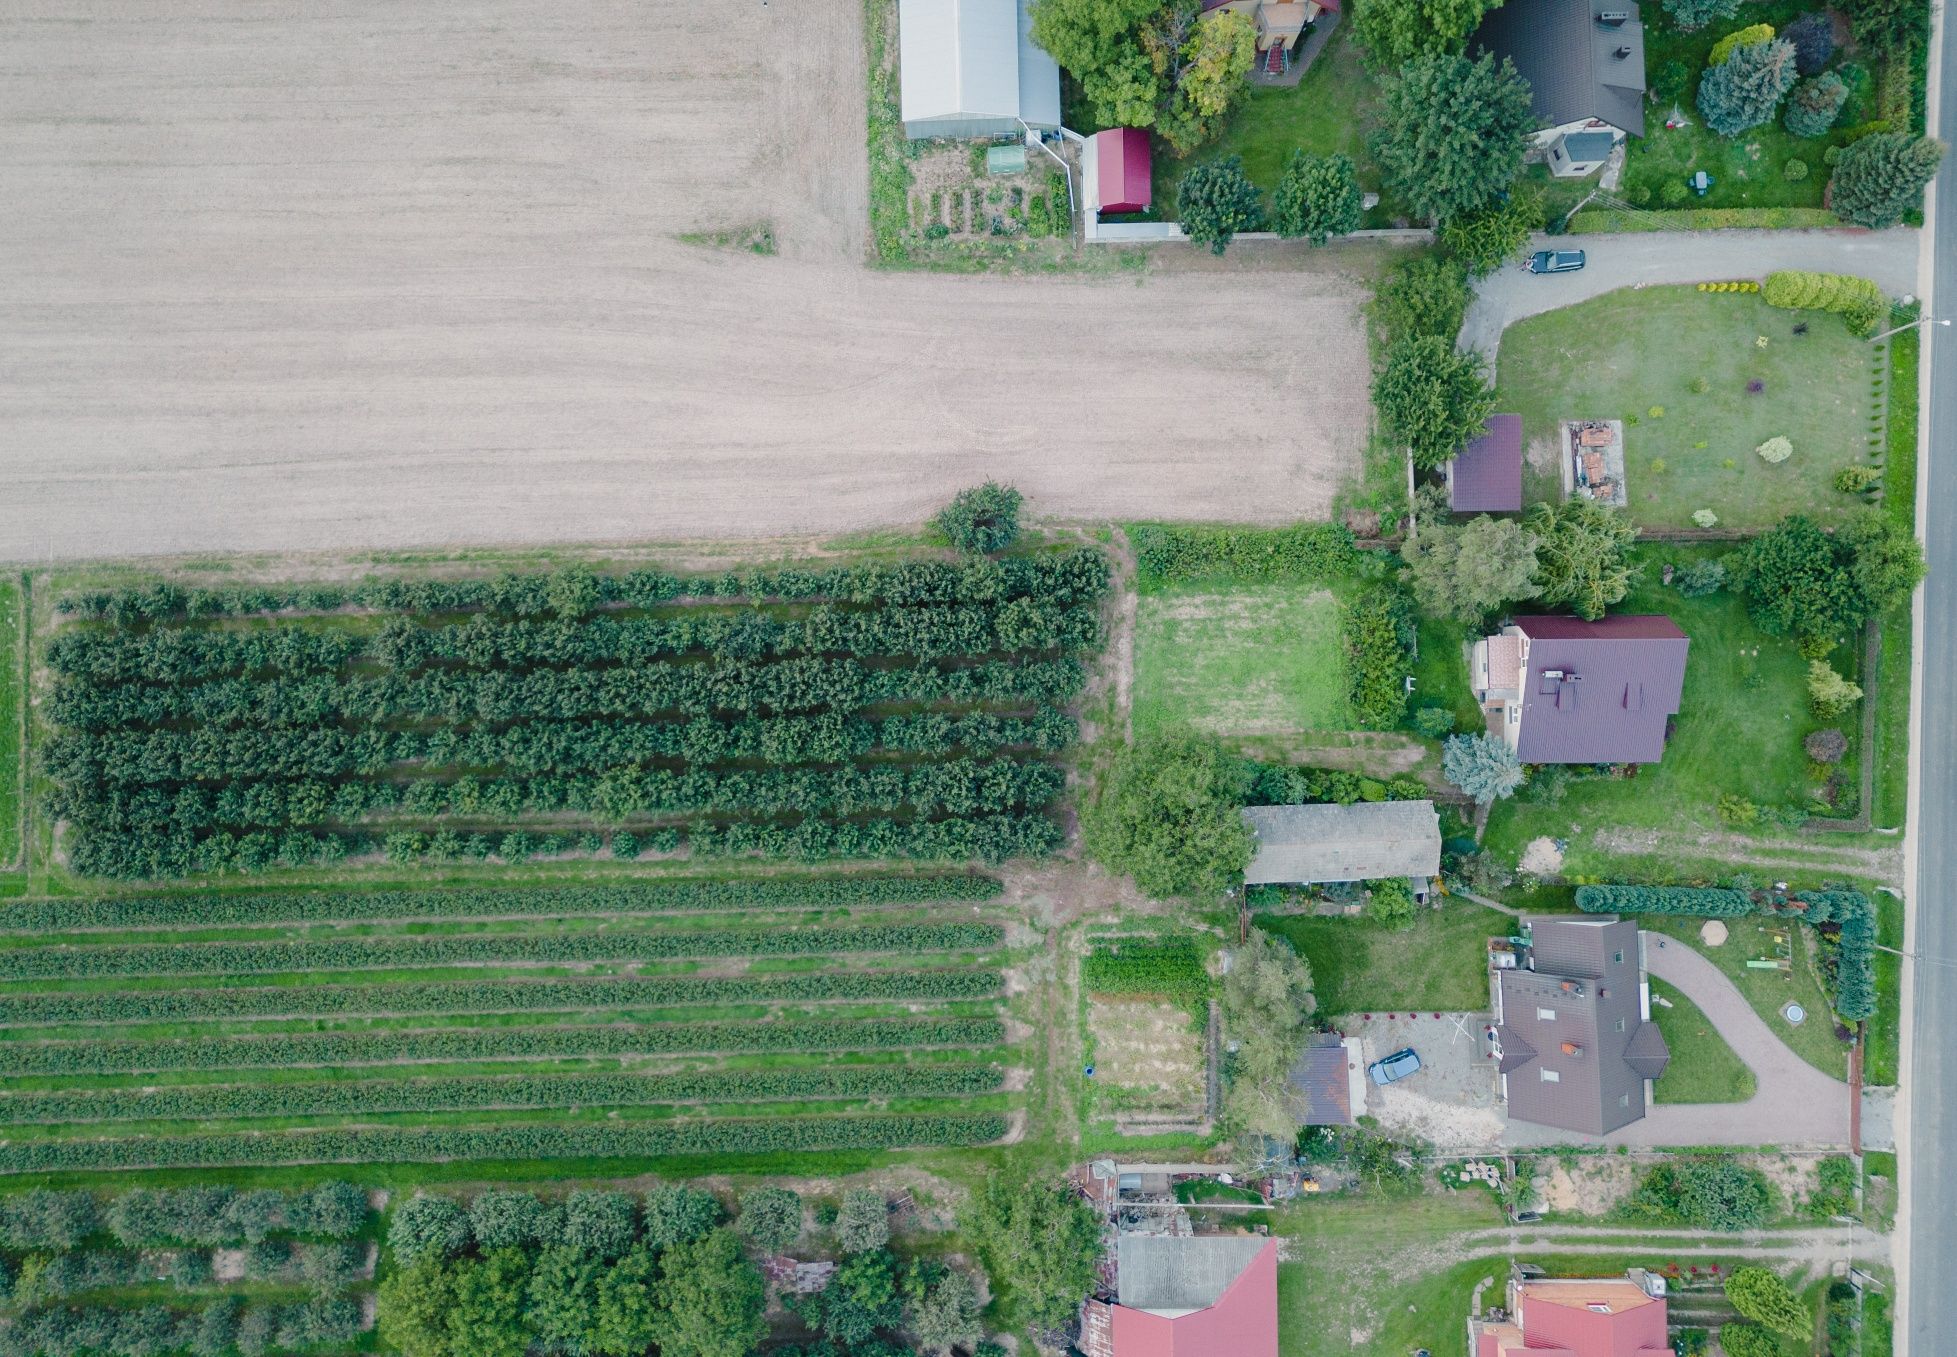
(298, 277)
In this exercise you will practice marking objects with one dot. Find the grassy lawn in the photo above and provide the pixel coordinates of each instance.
(1747, 169)
(1330, 109)
(1739, 731)
(1880, 1060)
(1439, 964)
(1622, 355)
(1751, 939)
(12, 677)
(1440, 674)
(1247, 660)
(1703, 1068)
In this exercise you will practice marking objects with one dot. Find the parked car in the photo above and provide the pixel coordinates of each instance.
(1556, 261)
(1394, 1067)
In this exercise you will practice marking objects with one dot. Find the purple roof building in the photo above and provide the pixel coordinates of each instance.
(1563, 690)
(1485, 477)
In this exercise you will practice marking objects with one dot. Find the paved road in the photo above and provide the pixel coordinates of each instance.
(1793, 1104)
(1889, 257)
(1930, 1325)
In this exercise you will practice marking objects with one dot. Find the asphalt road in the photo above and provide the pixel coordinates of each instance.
(1613, 262)
(1932, 1074)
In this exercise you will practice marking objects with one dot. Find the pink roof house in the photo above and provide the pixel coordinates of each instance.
(1187, 1296)
(1583, 1317)
(1117, 175)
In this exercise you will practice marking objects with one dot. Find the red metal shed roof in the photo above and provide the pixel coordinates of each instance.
(1241, 1323)
(1486, 475)
(1122, 173)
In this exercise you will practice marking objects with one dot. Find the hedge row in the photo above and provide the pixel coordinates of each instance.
(220, 1328)
(1168, 554)
(203, 1102)
(399, 1046)
(1850, 913)
(574, 592)
(69, 962)
(209, 1216)
(219, 909)
(486, 996)
(1858, 301)
(386, 1145)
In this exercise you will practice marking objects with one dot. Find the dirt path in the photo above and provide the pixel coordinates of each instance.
(1817, 855)
(1814, 1248)
(370, 275)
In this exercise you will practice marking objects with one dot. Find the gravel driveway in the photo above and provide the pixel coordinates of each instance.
(1889, 257)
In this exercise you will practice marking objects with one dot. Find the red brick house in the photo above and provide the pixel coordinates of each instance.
(1582, 1317)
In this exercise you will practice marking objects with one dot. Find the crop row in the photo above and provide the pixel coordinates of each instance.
(201, 1102)
(1172, 969)
(74, 962)
(484, 996)
(223, 1326)
(573, 593)
(488, 1043)
(386, 1145)
(211, 755)
(955, 787)
(160, 852)
(222, 909)
(734, 686)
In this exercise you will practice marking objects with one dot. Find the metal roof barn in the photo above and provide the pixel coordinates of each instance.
(970, 68)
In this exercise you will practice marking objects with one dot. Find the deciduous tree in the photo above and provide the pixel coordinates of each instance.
(1166, 812)
(1468, 572)
(1040, 1241)
(1395, 32)
(1423, 294)
(1216, 201)
(714, 1299)
(1432, 398)
(1318, 197)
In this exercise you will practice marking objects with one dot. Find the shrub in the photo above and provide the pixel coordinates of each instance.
(1670, 81)
(1794, 170)
(1829, 694)
(1673, 192)
(1854, 480)
(1826, 746)
(1748, 1340)
(1813, 36)
(1484, 241)
(1423, 294)
(1775, 450)
(1738, 811)
(863, 1223)
(1701, 385)
(1377, 630)
(1482, 766)
(1304, 551)
(1694, 14)
(981, 520)
(1434, 722)
(1750, 36)
(1834, 1188)
(625, 845)
(1705, 518)
(1814, 105)
(1390, 902)
(1763, 1297)
(1701, 578)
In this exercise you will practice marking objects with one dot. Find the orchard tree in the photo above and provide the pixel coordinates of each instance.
(863, 1224)
(1482, 766)
(1881, 177)
(677, 1214)
(626, 1305)
(713, 1301)
(1167, 812)
(512, 1220)
(1468, 572)
(1318, 197)
(1582, 555)
(1484, 241)
(1696, 14)
(1432, 398)
(427, 1227)
(1453, 131)
(771, 1217)
(603, 1224)
(1745, 90)
(981, 520)
(1395, 32)
(942, 1312)
(1216, 201)
(560, 1300)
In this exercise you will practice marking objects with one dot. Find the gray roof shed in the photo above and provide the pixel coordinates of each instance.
(1581, 60)
(1369, 841)
(970, 68)
(1576, 1049)
(1175, 1274)
(1321, 1082)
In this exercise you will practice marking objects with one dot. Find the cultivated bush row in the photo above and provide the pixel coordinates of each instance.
(627, 1140)
(572, 593)
(199, 1102)
(393, 1046)
(215, 909)
(206, 754)
(1378, 632)
(56, 1221)
(1171, 969)
(222, 1327)
(485, 996)
(1846, 921)
(455, 949)
(1310, 551)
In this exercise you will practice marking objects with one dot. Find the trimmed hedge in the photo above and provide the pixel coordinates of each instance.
(389, 1146)
(200, 1102)
(248, 958)
(215, 909)
(392, 1046)
(1170, 554)
(1593, 220)
(486, 996)
(1858, 301)
(1851, 913)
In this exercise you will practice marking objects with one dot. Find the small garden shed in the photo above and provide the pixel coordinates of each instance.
(1116, 170)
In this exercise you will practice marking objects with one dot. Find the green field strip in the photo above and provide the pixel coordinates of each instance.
(552, 1093)
(389, 1047)
(434, 975)
(228, 958)
(389, 1145)
(481, 997)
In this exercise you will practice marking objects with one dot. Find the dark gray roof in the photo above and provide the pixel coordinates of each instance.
(1321, 1083)
(1180, 1273)
(1570, 58)
(1623, 678)
(1587, 146)
(1486, 475)
(1369, 841)
(1577, 1014)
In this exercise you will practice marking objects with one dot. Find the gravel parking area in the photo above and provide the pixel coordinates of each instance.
(296, 277)
(1452, 1100)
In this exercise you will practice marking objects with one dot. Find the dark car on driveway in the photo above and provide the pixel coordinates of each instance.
(1556, 261)
(1394, 1067)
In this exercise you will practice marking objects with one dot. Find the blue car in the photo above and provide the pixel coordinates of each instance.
(1394, 1067)
(1556, 261)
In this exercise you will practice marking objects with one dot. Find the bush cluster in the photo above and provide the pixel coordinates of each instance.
(1172, 554)
(1743, 285)
(1858, 301)
(214, 1330)
(1379, 632)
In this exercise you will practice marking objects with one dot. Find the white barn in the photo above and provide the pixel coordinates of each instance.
(970, 68)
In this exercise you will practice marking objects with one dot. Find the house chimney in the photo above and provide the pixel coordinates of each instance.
(1622, 53)
(1572, 1049)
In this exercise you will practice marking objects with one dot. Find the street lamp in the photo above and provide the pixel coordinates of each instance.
(1921, 320)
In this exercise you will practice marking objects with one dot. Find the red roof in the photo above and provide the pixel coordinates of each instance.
(1603, 1319)
(1241, 1323)
(1122, 170)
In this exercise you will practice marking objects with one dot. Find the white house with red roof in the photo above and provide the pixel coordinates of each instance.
(1579, 1317)
(1187, 1296)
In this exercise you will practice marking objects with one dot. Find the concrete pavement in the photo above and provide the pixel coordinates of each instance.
(1794, 1104)
(1615, 261)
